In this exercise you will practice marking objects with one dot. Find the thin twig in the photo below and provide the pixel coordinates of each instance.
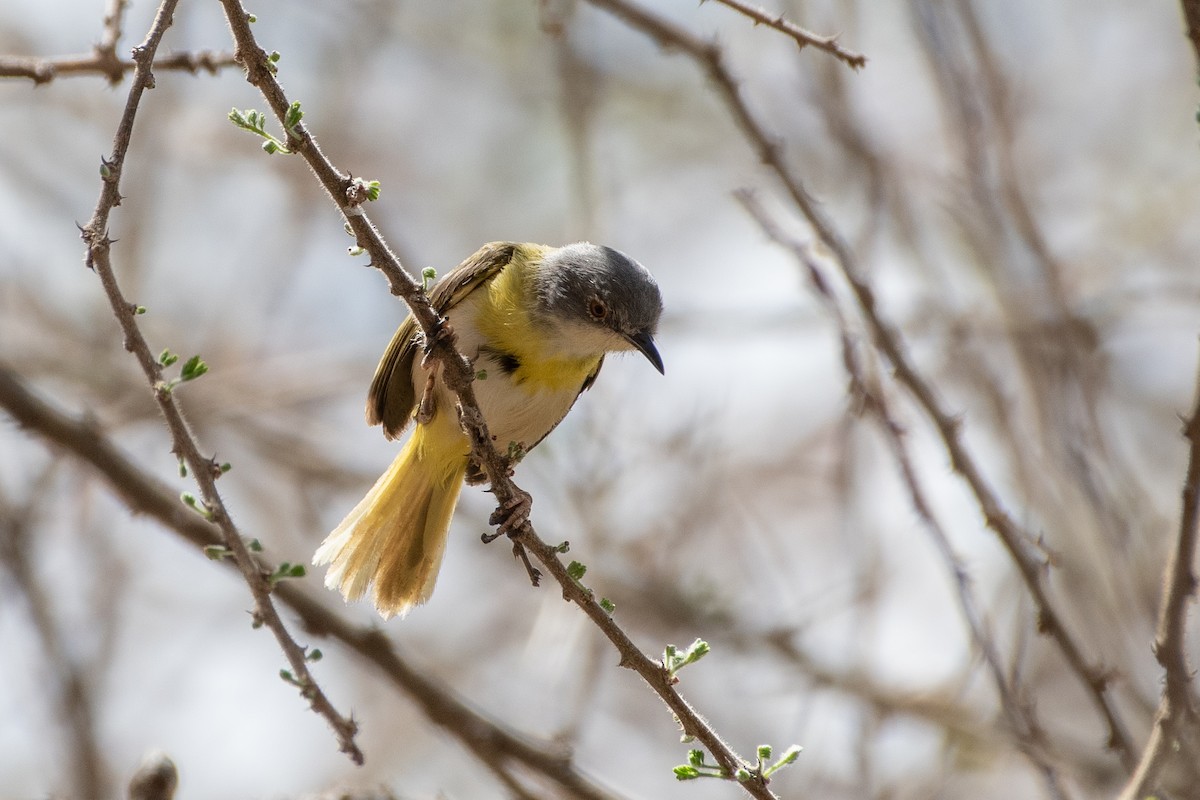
(496, 746)
(114, 23)
(44, 70)
(1175, 738)
(804, 38)
(458, 376)
(205, 471)
(1019, 543)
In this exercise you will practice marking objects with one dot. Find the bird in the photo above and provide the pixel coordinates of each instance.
(535, 322)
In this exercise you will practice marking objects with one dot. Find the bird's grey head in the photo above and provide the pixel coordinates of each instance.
(600, 289)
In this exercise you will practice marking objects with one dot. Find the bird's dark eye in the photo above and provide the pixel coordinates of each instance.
(597, 309)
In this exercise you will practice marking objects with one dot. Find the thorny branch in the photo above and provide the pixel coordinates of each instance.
(1018, 542)
(1175, 738)
(95, 235)
(458, 376)
(494, 745)
(804, 38)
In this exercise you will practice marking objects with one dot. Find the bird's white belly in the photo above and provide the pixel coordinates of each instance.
(521, 413)
(517, 412)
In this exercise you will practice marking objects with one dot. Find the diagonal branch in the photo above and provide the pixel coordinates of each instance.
(348, 193)
(496, 746)
(1019, 543)
(205, 470)
(804, 38)
(1175, 737)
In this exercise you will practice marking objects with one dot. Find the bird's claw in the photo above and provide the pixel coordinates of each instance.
(510, 517)
(428, 404)
(443, 333)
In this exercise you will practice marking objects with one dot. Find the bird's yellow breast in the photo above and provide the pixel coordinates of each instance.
(509, 330)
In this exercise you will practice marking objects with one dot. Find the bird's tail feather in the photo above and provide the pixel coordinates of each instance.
(396, 535)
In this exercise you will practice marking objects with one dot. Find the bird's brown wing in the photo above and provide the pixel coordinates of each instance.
(392, 396)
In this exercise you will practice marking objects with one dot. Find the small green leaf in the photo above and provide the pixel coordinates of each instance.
(608, 605)
(139, 310)
(255, 122)
(696, 758)
(764, 752)
(428, 276)
(251, 18)
(105, 170)
(481, 375)
(742, 775)
(182, 469)
(254, 546)
(563, 547)
(191, 502)
(292, 117)
(673, 660)
(788, 757)
(576, 571)
(216, 552)
(685, 773)
(314, 655)
(355, 251)
(285, 571)
(166, 358)
(274, 57)
(225, 467)
(193, 368)
(515, 452)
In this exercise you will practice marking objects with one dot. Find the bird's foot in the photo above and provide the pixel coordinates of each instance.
(428, 404)
(510, 517)
(444, 333)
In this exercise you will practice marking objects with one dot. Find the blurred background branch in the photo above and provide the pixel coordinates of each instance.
(104, 59)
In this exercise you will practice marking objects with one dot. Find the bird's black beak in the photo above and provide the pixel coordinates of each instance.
(644, 343)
